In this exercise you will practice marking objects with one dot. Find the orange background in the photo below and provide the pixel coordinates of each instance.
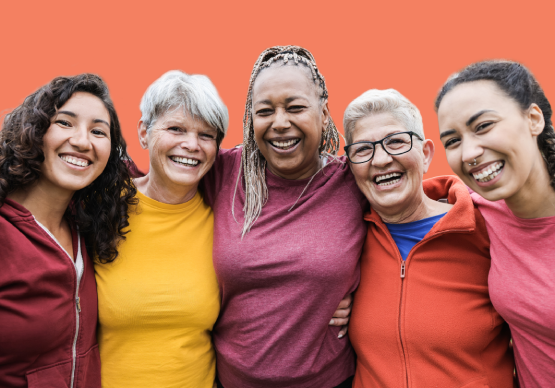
(410, 46)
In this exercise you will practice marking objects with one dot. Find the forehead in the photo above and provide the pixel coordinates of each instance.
(466, 99)
(86, 105)
(280, 78)
(376, 127)
(179, 116)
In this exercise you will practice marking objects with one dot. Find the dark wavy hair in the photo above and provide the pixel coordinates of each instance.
(519, 84)
(98, 210)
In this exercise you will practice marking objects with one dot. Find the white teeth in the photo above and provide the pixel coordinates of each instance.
(284, 144)
(489, 173)
(387, 176)
(186, 161)
(389, 183)
(75, 161)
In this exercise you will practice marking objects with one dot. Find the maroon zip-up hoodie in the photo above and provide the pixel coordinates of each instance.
(39, 310)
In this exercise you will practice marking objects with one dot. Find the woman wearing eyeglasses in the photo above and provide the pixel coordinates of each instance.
(422, 316)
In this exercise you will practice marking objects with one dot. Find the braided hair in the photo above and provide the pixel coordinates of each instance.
(253, 164)
(519, 84)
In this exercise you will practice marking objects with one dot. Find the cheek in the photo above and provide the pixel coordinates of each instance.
(361, 173)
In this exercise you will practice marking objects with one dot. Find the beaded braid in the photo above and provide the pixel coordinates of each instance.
(253, 164)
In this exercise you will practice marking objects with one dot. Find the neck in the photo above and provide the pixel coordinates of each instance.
(165, 192)
(47, 203)
(536, 198)
(420, 207)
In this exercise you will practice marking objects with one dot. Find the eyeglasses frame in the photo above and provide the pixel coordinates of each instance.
(411, 133)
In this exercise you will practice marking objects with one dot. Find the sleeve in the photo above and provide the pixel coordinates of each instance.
(350, 181)
(227, 162)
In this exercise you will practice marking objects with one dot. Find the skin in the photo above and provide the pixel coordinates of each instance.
(80, 129)
(286, 106)
(176, 134)
(500, 132)
(404, 201)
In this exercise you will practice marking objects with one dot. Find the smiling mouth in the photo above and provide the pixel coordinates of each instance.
(284, 145)
(75, 161)
(489, 172)
(388, 179)
(185, 161)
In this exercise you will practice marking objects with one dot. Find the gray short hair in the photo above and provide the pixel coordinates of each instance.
(194, 93)
(376, 101)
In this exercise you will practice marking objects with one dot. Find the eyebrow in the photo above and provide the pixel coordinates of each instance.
(446, 133)
(71, 114)
(475, 116)
(287, 100)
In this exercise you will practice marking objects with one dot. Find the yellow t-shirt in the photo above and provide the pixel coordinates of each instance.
(159, 299)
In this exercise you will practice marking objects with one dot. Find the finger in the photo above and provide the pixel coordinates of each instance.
(339, 321)
(343, 331)
(346, 302)
(343, 313)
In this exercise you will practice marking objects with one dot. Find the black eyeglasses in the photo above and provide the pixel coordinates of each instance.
(394, 144)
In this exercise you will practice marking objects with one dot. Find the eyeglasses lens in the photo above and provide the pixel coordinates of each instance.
(394, 145)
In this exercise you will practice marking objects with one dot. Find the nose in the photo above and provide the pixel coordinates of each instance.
(190, 142)
(380, 158)
(80, 138)
(281, 121)
(471, 149)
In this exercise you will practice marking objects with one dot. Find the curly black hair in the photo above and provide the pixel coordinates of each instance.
(519, 84)
(98, 210)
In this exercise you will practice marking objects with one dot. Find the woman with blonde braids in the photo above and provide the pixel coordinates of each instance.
(282, 265)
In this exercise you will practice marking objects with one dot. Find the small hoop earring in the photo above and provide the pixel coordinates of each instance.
(473, 164)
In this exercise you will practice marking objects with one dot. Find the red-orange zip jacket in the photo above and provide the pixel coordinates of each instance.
(429, 322)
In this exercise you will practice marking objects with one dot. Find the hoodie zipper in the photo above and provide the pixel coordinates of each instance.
(403, 275)
(79, 273)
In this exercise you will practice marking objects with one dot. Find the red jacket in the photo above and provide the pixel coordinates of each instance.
(39, 309)
(436, 326)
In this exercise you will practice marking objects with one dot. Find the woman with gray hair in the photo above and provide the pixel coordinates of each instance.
(422, 316)
(159, 300)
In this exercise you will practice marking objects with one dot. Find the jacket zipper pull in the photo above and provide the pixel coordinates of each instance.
(78, 300)
(403, 269)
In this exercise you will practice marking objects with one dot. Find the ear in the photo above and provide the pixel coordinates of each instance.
(141, 130)
(537, 122)
(428, 149)
(326, 115)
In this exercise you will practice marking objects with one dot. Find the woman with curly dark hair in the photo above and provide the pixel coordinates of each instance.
(496, 126)
(64, 196)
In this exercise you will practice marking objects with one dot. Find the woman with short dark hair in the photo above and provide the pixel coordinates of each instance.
(496, 126)
(64, 194)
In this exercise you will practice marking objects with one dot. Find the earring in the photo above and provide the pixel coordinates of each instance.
(472, 164)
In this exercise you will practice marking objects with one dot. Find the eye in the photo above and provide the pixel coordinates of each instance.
(483, 126)
(98, 132)
(207, 136)
(174, 129)
(63, 123)
(451, 142)
(264, 112)
(296, 108)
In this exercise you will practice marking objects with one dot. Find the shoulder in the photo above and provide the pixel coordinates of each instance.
(338, 170)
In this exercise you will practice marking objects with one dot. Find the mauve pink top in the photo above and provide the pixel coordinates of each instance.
(282, 282)
(522, 287)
